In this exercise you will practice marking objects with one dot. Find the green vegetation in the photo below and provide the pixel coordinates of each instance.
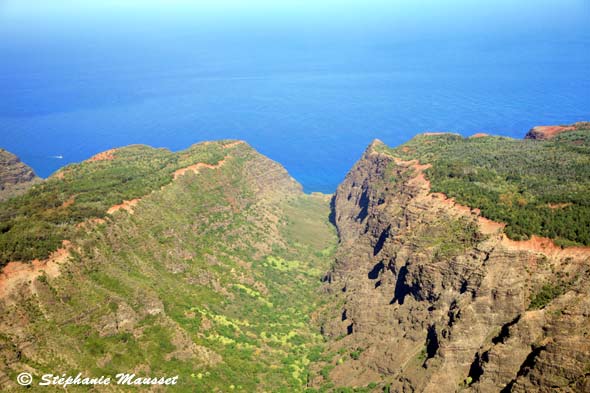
(219, 282)
(356, 354)
(448, 237)
(325, 372)
(422, 355)
(535, 187)
(35, 224)
(206, 280)
(545, 295)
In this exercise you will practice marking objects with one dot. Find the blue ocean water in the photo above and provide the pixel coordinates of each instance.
(309, 95)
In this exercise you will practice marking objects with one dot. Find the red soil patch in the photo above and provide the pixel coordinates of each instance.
(479, 135)
(106, 155)
(486, 226)
(489, 227)
(545, 246)
(16, 273)
(89, 222)
(125, 205)
(69, 202)
(419, 178)
(547, 132)
(195, 168)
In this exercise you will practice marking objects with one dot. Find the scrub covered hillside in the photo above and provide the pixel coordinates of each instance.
(35, 224)
(208, 264)
(204, 264)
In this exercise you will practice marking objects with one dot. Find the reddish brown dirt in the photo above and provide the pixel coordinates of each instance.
(479, 135)
(125, 205)
(545, 246)
(106, 155)
(195, 168)
(16, 273)
(90, 222)
(549, 132)
(489, 227)
(69, 202)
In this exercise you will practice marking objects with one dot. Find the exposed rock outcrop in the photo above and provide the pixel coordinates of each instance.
(15, 176)
(437, 299)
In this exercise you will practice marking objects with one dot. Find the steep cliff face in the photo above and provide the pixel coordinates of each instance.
(208, 263)
(15, 176)
(435, 298)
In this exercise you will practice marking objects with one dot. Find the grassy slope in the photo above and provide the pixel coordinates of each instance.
(236, 275)
(536, 187)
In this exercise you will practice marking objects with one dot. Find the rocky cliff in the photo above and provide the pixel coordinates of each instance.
(433, 297)
(15, 176)
(461, 264)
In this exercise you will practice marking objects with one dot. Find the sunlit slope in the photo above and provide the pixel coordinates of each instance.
(212, 274)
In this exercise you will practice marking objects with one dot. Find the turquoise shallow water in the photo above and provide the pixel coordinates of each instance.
(310, 98)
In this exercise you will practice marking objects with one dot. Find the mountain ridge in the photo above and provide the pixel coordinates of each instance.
(211, 262)
(192, 283)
